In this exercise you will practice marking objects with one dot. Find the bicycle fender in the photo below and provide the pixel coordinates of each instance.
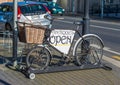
(46, 48)
(86, 35)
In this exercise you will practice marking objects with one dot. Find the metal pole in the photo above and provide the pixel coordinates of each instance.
(15, 34)
(86, 18)
(102, 8)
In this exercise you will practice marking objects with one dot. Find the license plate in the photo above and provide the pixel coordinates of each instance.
(60, 12)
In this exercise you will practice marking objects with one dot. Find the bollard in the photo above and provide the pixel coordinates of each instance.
(15, 44)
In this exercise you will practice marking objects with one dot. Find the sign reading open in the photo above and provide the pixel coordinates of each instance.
(62, 39)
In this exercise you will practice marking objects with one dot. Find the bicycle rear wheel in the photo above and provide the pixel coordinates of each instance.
(38, 58)
(89, 50)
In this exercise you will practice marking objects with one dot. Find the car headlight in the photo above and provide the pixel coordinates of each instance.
(63, 9)
(54, 9)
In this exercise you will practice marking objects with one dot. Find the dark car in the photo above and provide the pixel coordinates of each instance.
(30, 12)
(54, 7)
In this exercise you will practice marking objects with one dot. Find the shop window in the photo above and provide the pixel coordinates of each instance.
(108, 1)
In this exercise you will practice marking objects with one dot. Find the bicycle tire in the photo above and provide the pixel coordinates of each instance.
(38, 58)
(89, 50)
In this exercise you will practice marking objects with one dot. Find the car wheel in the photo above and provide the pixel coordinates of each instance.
(61, 14)
(8, 27)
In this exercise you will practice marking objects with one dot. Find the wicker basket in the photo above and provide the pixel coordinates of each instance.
(29, 33)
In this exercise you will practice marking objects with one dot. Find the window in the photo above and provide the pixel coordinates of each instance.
(108, 1)
(32, 9)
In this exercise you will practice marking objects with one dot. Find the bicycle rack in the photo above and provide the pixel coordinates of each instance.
(30, 73)
(65, 68)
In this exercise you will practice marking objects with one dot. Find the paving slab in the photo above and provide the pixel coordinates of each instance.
(79, 77)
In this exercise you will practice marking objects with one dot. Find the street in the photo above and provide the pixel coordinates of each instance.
(108, 31)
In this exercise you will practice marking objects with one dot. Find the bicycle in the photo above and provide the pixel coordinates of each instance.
(87, 49)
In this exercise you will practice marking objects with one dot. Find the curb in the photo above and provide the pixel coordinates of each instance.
(112, 61)
(95, 17)
(116, 57)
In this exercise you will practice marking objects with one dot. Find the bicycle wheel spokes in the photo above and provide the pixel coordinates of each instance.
(91, 49)
(95, 56)
(38, 58)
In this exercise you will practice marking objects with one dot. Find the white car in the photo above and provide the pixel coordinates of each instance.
(28, 11)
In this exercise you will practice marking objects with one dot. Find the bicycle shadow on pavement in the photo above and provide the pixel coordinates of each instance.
(4, 82)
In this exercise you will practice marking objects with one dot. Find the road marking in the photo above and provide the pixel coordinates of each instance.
(108, 28)
(111, 51)
(116, 57)
(113, 23)
(92, 20)
(113, 61)
(65, 21)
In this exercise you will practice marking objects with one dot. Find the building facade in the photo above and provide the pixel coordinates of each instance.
(77, 6)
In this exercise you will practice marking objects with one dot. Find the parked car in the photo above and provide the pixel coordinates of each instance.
(30, 12)
(54, 7)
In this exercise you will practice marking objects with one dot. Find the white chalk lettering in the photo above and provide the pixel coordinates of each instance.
(60, 40)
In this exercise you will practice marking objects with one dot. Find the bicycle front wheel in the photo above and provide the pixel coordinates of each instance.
(89, 50)
(38, 58)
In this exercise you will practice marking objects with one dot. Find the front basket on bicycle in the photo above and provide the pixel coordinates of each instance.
(29, 33)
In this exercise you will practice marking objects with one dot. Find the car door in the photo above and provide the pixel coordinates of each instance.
(2, 18)
(8, 14)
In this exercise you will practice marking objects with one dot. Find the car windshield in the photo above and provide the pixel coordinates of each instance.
(2, 8)
(53, 4)
(32, 8)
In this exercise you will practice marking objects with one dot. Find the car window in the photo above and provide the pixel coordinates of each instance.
(6, 8)
(53, 4)
(0, 8)
(9, 9)
(34, 8)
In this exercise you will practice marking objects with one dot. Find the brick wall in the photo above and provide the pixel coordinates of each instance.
(5, 1)
(1, 1)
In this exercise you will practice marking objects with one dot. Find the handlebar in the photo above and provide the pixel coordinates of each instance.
(51, 20)
(78, 22)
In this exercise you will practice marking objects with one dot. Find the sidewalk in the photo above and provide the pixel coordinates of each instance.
(79, 77)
